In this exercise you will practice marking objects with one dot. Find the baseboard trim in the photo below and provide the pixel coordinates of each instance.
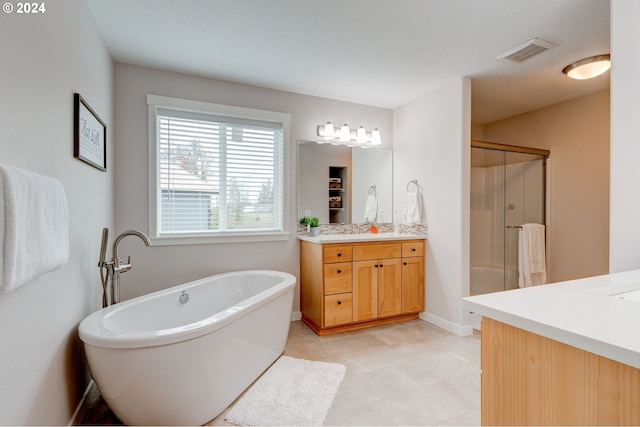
(81, 409)
(296, 315)
(454, 328)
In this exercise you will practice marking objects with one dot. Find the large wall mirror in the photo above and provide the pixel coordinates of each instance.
(335, 182)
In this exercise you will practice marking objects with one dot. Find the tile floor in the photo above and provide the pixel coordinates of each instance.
(411, 373)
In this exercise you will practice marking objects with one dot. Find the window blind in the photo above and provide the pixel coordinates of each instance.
(218, 174)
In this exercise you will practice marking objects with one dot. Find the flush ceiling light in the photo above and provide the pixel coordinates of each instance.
(588, 68)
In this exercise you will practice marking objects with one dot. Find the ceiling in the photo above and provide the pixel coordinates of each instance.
(383, 53)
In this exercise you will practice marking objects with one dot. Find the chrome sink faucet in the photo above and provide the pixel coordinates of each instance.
(111, 291)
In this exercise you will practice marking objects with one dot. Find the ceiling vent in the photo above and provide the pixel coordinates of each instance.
(527, 50)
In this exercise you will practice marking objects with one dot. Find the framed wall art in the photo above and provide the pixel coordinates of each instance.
(89, 135)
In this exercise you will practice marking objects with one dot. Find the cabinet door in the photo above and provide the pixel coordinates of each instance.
(365, 290)
(337, 309)
(412, 284)
(389, 287)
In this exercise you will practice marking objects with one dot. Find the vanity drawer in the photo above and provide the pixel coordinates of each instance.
(337, 278)
(410, 249)
(338, 309)
(338, 253)
(376, 251)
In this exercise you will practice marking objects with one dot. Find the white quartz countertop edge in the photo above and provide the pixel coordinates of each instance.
(367, 237)
(580, 313)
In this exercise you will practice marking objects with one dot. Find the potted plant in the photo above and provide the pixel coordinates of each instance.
(312, 223)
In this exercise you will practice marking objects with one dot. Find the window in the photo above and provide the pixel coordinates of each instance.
(217, 172)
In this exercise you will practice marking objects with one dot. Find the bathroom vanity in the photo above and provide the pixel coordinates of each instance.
(562, 354)
(350, 282)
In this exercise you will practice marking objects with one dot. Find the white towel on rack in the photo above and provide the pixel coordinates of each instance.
(532, 268)
(414, 207)
(34, 226)
(371, 209)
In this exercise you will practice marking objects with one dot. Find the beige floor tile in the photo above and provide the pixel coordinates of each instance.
(411, 373)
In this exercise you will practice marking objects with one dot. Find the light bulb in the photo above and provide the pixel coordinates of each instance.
(345, 133)
(329, 131)
(375, 137)
(361, 135)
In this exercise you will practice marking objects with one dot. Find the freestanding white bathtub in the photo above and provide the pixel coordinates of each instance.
(160, 360)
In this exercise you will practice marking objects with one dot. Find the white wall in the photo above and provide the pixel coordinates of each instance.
(624, 243)
(45, 59)
(431, 144)
(160, 267)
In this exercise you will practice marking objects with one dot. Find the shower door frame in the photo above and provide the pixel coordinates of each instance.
(523, 150)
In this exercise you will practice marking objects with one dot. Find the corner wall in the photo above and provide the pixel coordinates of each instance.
(45, 59)
(431, 144)
(624, 243)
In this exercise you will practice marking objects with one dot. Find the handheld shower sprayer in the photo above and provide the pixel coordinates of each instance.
(103, 247)
(104, 267)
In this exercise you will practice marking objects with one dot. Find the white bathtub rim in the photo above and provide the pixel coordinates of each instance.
(93, 332)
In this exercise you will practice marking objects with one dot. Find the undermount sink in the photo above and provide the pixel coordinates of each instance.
(630, 296)
(626, 291)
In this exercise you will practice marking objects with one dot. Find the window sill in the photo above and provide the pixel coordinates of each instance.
(223, 238)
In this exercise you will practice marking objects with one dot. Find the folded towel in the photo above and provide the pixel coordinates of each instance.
(371, 209)
(414, 207)
(34, 226)
(532, 268)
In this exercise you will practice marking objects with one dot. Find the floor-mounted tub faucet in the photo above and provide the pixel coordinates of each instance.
(111, 289)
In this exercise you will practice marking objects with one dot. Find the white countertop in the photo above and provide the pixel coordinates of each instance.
(364, 237)
(584, 313)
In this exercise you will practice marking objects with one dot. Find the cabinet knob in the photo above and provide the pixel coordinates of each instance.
(376, 266)
(404, 263)
(339, 271)
(381, 265)
(339, 302)
(413, 249)
(339, 253)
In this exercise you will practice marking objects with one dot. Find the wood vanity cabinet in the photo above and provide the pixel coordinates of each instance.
(348, 286)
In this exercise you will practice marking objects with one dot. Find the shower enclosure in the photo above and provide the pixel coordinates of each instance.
(507, 190)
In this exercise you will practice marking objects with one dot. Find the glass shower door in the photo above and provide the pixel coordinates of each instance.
(507, 190)
(524, 203)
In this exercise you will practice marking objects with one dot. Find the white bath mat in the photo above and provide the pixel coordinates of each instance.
(293, 392)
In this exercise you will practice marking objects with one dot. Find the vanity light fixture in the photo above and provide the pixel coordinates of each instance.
(588, 68)
(348, 136)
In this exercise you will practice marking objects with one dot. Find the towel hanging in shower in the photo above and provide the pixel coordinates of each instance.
(532, 268)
